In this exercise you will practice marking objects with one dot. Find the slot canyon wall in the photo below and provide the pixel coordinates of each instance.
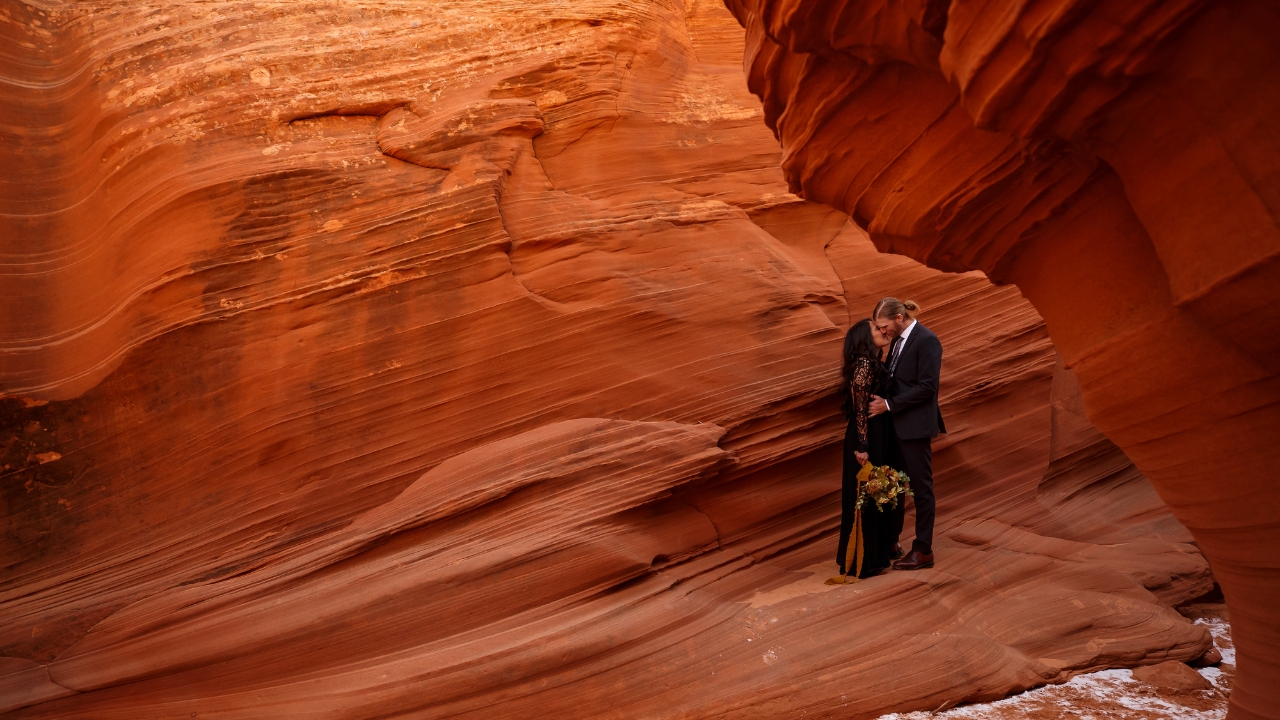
(462, 359)
(1119, 163)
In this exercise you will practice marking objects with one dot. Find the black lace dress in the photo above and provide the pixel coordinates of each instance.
(874, 436)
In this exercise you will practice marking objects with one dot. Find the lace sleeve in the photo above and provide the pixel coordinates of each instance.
(861, 389)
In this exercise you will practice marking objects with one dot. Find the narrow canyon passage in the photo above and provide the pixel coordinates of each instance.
(371, 359)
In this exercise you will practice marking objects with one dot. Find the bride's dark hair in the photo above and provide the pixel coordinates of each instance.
(858, 343)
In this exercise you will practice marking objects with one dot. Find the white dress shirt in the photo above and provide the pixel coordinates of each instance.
(902, 343)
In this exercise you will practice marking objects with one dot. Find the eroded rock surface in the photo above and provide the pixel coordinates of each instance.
(1119, 163)
(451, 359)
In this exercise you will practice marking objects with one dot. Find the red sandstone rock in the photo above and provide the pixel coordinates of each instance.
(1212, 657)
(373, 359)
(1171, 675)
(1118, 163)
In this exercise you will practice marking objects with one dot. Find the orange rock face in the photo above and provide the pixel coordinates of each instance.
(1119, 163)
(455, 360)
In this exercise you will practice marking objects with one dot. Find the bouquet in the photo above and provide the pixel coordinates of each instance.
(882, 485)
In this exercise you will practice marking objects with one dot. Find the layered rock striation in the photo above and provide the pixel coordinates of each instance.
(368, 359)
(1118, 163)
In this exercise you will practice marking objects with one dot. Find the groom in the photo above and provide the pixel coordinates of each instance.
(915, 361)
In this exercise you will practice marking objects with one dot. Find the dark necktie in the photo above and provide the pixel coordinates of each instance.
(894, 352)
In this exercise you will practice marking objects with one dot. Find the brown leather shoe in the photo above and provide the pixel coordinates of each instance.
(896, 552)
(915, 560)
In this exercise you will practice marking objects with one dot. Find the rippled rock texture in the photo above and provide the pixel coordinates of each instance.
(1119, 162)
(457, 359)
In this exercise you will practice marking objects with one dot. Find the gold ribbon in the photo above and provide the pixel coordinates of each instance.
(854, 546)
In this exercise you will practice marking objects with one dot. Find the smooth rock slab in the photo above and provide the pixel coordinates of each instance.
(1172, 675)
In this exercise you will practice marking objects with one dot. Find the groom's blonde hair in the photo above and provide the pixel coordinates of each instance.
(893, 307)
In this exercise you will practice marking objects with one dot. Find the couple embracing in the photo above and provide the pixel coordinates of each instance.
(890, 398)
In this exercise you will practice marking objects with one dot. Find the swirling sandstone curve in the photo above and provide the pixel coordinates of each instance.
(1117, 162)
(450, 359)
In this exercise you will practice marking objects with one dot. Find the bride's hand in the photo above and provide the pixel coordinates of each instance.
(862, 458)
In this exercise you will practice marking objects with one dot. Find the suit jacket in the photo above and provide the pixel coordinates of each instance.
(914, 402)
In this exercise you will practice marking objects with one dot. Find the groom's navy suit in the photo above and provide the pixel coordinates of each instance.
(916, 364)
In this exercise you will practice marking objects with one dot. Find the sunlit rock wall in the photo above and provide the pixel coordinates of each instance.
(455, 359)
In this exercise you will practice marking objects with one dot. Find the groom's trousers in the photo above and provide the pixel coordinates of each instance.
(917, 457)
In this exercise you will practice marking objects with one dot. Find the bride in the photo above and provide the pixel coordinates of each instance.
(867, 439)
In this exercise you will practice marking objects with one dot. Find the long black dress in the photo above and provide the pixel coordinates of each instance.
(874, 436)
